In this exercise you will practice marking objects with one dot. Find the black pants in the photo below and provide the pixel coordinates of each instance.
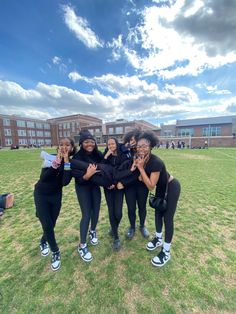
(89, 197)
(114, 199)
(168, 216)
(47, 210)
(136, 193)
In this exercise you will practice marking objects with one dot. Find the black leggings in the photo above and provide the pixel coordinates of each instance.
(114, 199)
(136, 193)
(89, 197)
(47, 210)
(168, 216)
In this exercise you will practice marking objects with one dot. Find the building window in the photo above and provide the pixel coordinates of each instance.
(31, 133)
(21, 132)
(97, 130)
(47, 134)
(6, 122)
(8, 141)
(91, 131)
(40, 141)
(39, 125)
(39, 133)
(211, 131)
(60, 126)
(73, 126)
(7, 132)
(186, 132)
(168, 133)
(119, 130)
(48, 142)
(65, 134)
(23, 141)
(60, 134)
(20, 123)
(32, 141)
(46, 126)
(110, 131)
(30, 124)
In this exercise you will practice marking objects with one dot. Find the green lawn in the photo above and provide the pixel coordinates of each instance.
(200, 278)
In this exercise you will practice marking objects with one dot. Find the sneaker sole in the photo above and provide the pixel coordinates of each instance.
(116, 249)
(152, 249)
(128, 237)
(94, 244)
(55, 269)
(85, 259)
(159, 265)
(45, 254)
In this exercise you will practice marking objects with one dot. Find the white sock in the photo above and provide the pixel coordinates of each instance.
(159, 234)
(83, 245)
(166, 246)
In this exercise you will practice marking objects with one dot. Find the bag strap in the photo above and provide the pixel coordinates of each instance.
(166, 191)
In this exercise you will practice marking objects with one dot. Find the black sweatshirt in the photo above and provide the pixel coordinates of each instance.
(52, 180)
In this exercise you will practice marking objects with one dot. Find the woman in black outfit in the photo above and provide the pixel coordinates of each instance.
(47, 196)
(133, 188)
(88, 193)
(114, 197)
(148, 163)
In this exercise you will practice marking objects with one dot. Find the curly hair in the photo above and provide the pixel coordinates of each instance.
(150, 136)
(133, 133)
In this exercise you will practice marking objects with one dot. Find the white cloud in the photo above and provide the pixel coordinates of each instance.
(116, 45)
(56, 60)
(111, 97)
(80, 27)
(179, 38)
(75, 76)
(214, 89)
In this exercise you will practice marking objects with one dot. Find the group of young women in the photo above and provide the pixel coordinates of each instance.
(129, 169)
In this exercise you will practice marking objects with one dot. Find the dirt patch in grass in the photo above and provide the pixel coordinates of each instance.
(80, 282)
(196, 157)
(132, 297)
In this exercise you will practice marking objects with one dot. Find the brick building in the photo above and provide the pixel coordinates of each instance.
(214, 131)
(18, 131)
(121, 126)
(70, 126)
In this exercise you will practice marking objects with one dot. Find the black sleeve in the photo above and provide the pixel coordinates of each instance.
(101, 180)
(79, 164)
(67, 176)
(155, 164)
(123, 170)
(131, 179)
(47, 173)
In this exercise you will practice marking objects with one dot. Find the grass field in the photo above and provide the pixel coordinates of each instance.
(200, 278)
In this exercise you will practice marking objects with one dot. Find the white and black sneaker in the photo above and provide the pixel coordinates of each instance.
(44, 248)
(56, 260)
(161, 259)
(154, 243)
(85, 254)
(93, 237)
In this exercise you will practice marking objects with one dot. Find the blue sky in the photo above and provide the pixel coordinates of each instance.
(157, 60)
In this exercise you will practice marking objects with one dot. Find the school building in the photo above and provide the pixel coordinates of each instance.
(195, 133)
(198, 133)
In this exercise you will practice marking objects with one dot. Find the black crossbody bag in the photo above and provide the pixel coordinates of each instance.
(159, 203)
